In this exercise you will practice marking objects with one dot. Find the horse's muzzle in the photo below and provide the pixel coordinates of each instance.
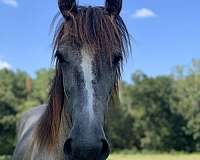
(86, 144)
(97, 151)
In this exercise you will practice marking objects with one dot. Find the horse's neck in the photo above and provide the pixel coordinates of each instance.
(57, 152)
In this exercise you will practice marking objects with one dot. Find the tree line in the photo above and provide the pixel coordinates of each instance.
(156, 113)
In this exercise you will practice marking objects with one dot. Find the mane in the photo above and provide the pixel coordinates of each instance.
(103, 33)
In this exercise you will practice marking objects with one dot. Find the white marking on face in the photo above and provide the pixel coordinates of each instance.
(88, 78)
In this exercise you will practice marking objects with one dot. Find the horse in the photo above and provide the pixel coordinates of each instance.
(90, 46)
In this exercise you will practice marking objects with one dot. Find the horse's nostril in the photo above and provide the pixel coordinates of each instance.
(68, 147)
(105, 151)
(87, 150)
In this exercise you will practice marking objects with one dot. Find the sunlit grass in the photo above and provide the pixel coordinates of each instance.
(154, 157)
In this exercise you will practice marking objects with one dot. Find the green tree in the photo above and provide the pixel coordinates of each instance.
(155, 125)
(41, 85)
(7, 112)
(188, 91)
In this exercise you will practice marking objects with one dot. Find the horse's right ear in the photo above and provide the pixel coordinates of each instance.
(113, 7)
(67, 6)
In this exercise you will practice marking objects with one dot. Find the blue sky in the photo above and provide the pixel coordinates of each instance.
(165, 33)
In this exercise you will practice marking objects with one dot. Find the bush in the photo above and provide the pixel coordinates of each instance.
(5, 157)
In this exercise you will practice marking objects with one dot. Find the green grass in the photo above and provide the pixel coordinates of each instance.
(154, 157)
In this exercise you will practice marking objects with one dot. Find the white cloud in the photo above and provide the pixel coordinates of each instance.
(144, 13)
(12, 3)
(4, 64)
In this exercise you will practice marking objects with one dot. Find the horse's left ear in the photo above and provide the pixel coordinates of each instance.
(113, 7)
(66, 6)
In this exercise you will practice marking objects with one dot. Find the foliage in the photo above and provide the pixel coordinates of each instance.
(41, 85)
(7, 128)
(5, 157)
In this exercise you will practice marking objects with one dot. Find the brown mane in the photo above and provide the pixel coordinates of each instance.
(101, 32)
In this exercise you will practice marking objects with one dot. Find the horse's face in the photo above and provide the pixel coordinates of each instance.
(88, 81)
(89, 74)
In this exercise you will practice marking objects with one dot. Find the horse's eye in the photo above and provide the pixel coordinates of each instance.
(60, 57)
(117, 59)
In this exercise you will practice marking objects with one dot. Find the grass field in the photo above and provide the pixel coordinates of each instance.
(154, 157)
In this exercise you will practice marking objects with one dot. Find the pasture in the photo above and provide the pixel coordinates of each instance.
(154, 157)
